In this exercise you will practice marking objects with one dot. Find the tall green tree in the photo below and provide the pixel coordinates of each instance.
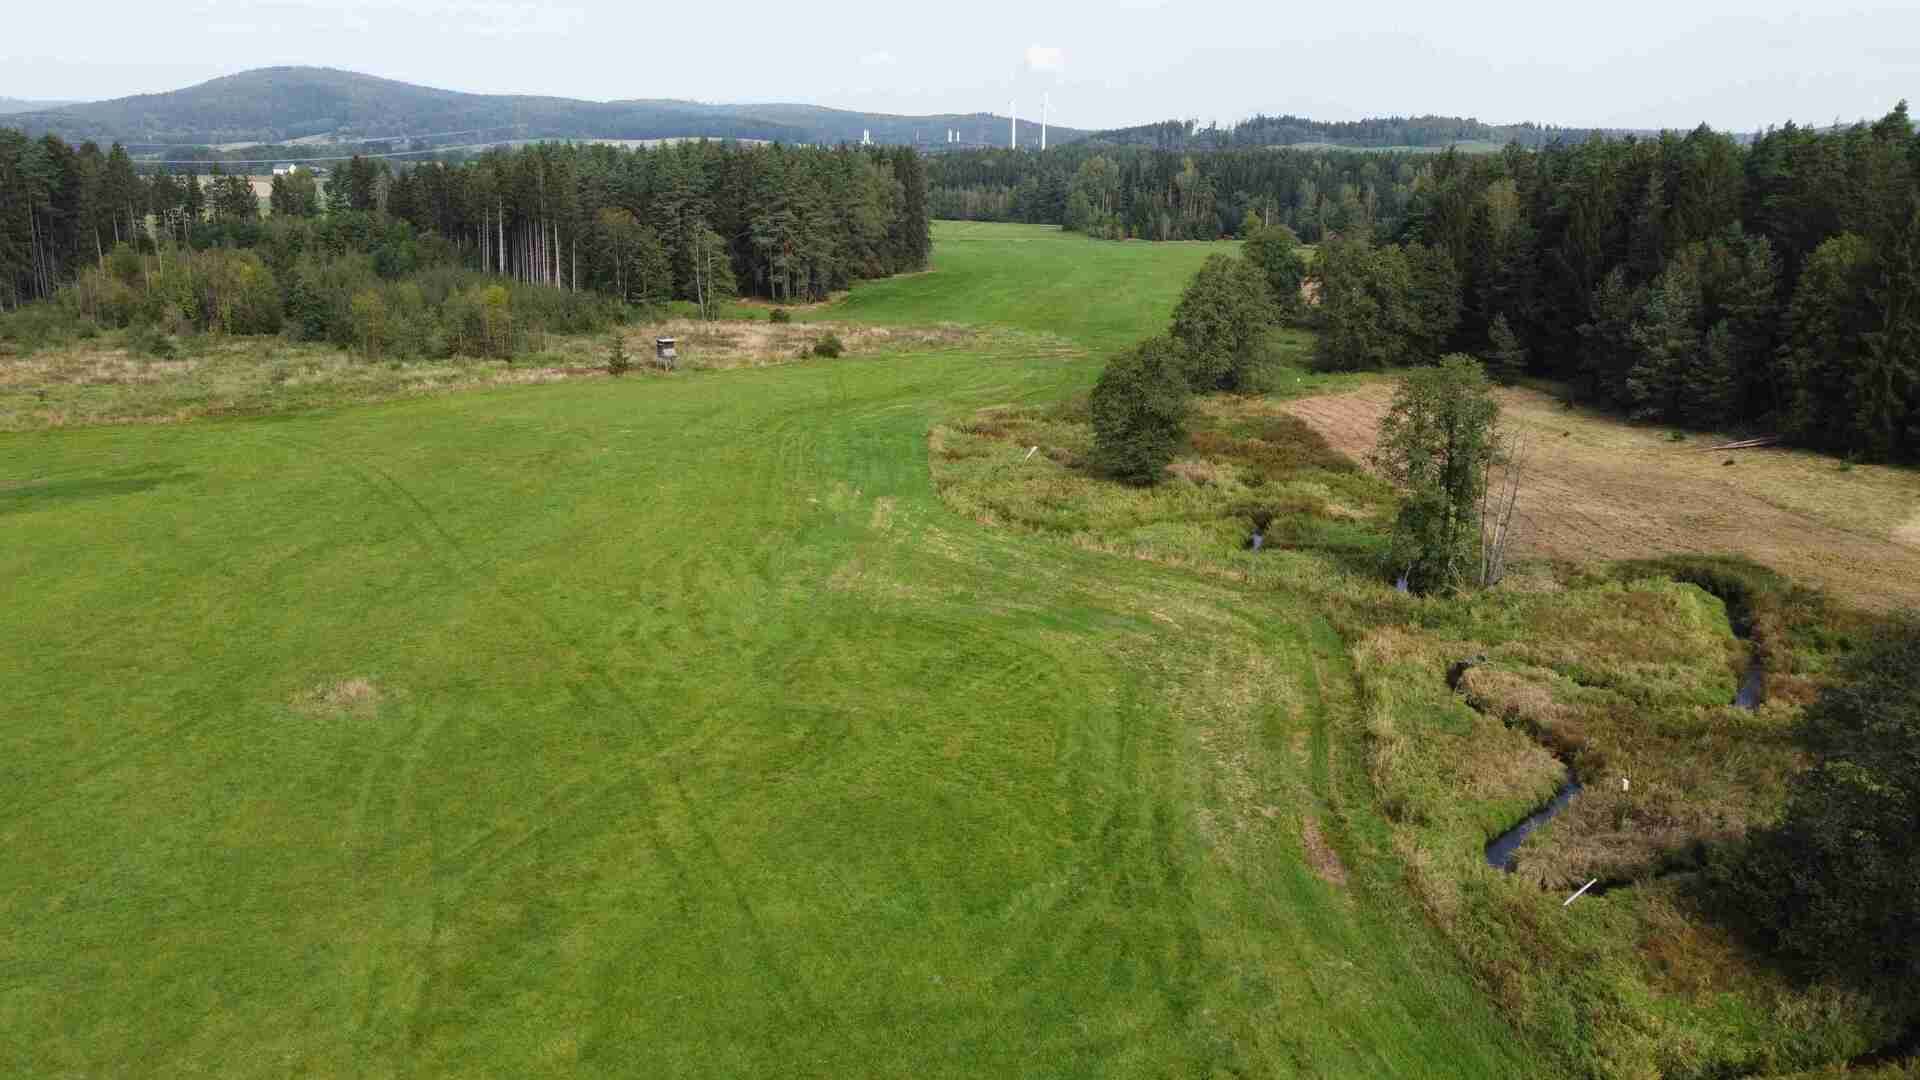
(1506, 357)
(1138, 408)
(1436, 444)
(1221, 321)
(1667, 346)
(1276, 251)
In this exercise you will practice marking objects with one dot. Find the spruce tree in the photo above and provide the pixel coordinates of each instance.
(1506, 357)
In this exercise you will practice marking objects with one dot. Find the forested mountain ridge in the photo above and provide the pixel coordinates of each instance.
(1437, 132)
(18, 105)
(282, 104)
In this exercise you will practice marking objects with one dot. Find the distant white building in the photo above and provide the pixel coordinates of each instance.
(866, 137)
(282, 170)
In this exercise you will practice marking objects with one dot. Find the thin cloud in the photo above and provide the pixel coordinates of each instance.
(882, 58)
(1046, 58)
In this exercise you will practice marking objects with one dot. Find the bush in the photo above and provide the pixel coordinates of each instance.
(618, 363)
(779, 315)
(150, 341)
(829, 346)
(1139, 409)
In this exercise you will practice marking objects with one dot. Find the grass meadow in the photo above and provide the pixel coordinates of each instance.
(676, 726)
(833, 718)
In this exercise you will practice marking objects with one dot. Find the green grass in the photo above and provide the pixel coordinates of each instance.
(1103, 294)
(676, 727)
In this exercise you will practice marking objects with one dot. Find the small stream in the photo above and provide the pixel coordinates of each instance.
(1753, 689)
(1500, 850)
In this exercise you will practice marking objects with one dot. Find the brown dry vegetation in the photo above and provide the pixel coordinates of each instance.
(357, 696)
(743, 343)
(101, 381)
(1598, 489)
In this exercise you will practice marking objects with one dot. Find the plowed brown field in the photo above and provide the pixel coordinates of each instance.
(1597, 488)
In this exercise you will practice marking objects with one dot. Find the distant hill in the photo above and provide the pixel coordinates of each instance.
(843, 125)
(1390, 132)
(20, 105)
(308, 104)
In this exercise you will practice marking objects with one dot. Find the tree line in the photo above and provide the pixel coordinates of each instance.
(1119, 192)
(1685, 279)
(1375, 133)
(696, 221)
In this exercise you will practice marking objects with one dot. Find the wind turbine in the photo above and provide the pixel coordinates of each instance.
(1046, 101)
(1013, 124)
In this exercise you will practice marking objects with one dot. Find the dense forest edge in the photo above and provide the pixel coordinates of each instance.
(1262, 131)
(438, 259)
(1685, 279)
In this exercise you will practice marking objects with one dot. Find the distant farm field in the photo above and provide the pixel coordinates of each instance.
(674, 726)
(1599, 489)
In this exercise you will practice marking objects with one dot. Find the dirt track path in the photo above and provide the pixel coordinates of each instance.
(1601, 489)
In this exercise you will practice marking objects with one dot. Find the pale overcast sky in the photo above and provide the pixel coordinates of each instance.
(1737, 64)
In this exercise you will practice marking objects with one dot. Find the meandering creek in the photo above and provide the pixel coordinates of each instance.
(1500, 850)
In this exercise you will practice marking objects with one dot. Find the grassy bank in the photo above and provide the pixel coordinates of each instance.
(1624, 672)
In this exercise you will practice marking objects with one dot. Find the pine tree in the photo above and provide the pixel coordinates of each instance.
(618, 362)
(1709, 392)
(1666, 346)
(1506, 357)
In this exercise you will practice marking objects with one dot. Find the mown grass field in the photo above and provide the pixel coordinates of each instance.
(676, 727)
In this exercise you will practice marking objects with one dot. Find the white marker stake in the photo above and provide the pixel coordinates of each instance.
(1577, 895)
(1029, 456)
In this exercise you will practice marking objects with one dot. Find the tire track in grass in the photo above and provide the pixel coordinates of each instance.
(791, 993)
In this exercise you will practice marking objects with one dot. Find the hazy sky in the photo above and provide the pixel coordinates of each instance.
(1736, 64)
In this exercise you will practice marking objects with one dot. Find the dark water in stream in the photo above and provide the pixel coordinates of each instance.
(1753, 689)
(1501, 848)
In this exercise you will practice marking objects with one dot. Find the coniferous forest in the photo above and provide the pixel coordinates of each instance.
(1689, 279)
(698, 221)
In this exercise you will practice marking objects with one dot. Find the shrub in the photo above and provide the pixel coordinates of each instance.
(1139, 408)
(779, 315)
(150, 341)
(829, 346)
